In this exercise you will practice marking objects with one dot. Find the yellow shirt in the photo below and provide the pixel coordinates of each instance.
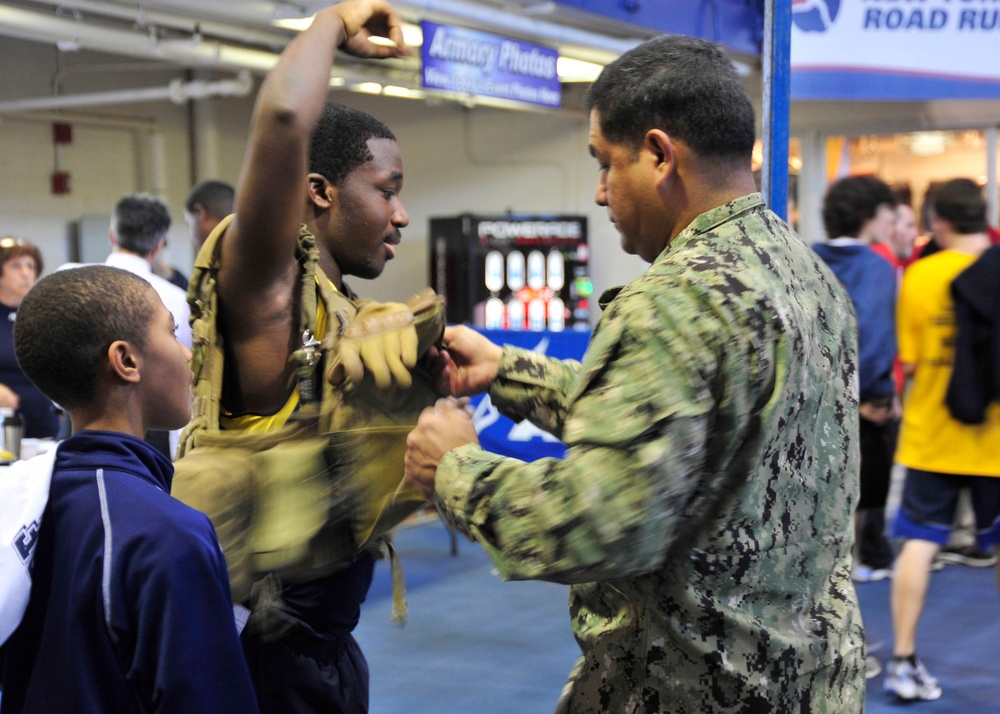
(256, 422)
(930, 439)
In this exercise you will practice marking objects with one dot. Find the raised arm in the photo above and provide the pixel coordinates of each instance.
(272, 185)
(258, 273)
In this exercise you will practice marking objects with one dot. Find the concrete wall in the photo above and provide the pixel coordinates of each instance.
(456, 160)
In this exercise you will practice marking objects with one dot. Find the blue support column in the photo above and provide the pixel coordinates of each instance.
(775, 57)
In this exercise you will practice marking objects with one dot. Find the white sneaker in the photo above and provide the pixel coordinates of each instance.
(911, 682)
(864, 574)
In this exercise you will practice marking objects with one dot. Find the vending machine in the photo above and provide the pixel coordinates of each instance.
(513, 272)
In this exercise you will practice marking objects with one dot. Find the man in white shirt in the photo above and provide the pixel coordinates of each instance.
(138, 233)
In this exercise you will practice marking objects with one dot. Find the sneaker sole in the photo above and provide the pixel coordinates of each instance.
(911, 693)
(970, 562)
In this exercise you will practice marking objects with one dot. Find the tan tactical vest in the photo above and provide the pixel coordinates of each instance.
(300, 501)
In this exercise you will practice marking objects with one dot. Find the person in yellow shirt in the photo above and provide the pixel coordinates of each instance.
(942, 455)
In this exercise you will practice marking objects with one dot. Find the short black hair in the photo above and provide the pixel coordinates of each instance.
(216, 196)
(961, 203)
(340, 141)
(684, 86)
(140, 221)
(853, 201)
(67, 321)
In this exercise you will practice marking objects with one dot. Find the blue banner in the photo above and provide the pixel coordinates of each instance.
(523, 440)
(458, 59)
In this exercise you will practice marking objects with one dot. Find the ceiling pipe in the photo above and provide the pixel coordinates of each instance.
(177, 92)
(275, 39)
(71, 33)
(192, 52)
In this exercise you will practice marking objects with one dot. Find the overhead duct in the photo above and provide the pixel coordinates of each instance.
(177, 92)
(233, 31)
(38, 27)
(188, 52)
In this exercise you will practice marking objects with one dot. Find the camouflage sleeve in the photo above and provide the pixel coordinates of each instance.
(532, 386)
(636, 429)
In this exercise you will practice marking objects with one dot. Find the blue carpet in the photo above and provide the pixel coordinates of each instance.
(473, 644)
(958, 640)
(477, 645)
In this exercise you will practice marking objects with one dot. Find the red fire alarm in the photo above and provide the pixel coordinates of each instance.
(62, 133)
(60, 182)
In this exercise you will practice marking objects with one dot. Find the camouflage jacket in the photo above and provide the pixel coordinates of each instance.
(703, 511)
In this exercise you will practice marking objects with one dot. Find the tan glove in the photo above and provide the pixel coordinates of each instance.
(382, 340)
(429, 318)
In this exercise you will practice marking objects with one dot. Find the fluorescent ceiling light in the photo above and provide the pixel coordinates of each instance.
(574, 70)
(367, 88)
(391, 90)
(928, 143)
(293, 23)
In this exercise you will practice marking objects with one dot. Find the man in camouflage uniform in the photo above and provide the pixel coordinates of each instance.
(702, 514)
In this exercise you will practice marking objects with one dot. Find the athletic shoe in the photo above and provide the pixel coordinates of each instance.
(969, 555)
(865, 574)
(911, 682)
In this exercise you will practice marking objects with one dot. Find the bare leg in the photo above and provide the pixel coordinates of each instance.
(909, 589)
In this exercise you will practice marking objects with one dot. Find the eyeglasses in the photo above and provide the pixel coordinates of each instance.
(10, 242)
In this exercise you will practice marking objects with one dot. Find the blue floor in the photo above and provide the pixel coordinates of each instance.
(477, 645)
(472, 643)
(958, 640)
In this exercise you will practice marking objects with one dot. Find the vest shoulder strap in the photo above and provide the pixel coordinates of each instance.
(208, 350)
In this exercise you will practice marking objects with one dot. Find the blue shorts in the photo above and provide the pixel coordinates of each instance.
(931, 499)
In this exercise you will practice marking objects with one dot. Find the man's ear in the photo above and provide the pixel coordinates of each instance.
(661, 146)
(322, 193)
(124, 361)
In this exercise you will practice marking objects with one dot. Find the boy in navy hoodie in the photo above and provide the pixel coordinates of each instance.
(859, 211)
(129, 607)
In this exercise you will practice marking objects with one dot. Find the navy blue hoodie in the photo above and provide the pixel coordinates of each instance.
(130, 608)
(871, 283)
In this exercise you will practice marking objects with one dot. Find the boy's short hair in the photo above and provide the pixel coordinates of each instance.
(340, 141)
(853, 201)
(961, 203)
(216, 196)
(67, 321)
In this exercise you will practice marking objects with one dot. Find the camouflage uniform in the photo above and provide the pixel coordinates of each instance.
(703, 511)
